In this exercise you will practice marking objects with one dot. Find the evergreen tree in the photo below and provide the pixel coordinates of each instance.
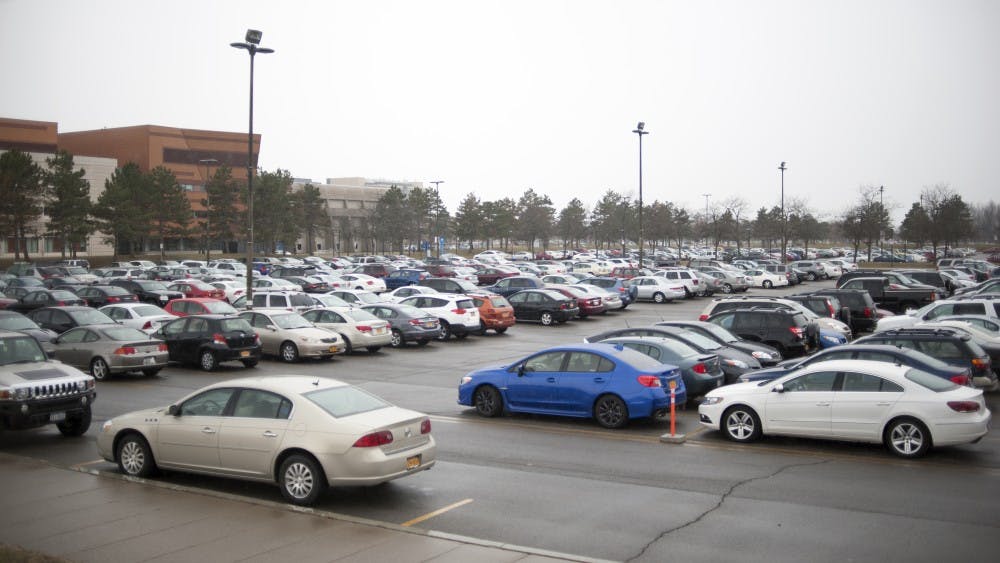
(469, 220)
(170, 208)
(121, 210)
(69, 204)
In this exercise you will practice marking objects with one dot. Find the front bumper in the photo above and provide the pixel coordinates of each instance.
(33, 413)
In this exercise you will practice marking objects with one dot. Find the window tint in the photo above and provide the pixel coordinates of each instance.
(346, 400)
(73, 336)
(583, 362)
(819, 381)
(253, 403)
(548, 362)
(861, 382)
(932, 382)
(943, 350)
(209, 403)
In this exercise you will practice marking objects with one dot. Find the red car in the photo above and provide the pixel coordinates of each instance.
(489, 275)
(197, 288)
(589, 304)
(198, 306)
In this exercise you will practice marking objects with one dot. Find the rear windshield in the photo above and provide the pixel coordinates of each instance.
(345, 401)
(302, 300)
(499, 301)
(932, 382)
(235, 325)
(639, 361)
(125, 333)
(219, 307)
(703, 342)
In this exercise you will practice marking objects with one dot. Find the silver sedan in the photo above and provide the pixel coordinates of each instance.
(302, 433)
(109, 349)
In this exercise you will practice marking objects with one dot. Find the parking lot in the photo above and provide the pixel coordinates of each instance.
(573, 487)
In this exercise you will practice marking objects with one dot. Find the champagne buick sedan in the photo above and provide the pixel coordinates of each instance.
(302, 433)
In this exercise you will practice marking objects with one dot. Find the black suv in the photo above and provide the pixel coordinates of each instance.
(206, 340)
(149, 291)
(947, 345)
(787, 331)
(824, 306)
(863, 317)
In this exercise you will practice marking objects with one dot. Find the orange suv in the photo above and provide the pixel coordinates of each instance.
(494, 313)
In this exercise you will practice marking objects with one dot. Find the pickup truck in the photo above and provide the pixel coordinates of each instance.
(894, 297)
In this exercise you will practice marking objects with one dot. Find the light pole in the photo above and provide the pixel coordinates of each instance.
(706, 196)
(208, 213)
(252, 46)
(784, 222)
(437, 227)
(881, 212)
(639, 130)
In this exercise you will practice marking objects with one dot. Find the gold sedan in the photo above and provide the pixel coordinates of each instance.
(290, 337)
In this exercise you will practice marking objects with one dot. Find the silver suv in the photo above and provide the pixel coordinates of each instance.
(36, 391)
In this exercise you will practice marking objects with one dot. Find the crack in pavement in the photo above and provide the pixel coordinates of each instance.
(719, 504)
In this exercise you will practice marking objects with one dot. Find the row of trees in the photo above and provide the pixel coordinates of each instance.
(139, 210)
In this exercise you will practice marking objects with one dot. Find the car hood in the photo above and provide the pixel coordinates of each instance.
(731, 353)
(750, 347)
(29, 372)
(747, 388)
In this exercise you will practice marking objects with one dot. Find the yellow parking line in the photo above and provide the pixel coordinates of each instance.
(437, 512)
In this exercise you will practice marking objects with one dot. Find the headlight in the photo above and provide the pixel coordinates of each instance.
(736, 364)
(711, 400)
(762, 355)
(831, 339)
(466, 379)
(106, 427)
(21, 393)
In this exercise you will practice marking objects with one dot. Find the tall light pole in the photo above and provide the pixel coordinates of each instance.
(706, 196)
(252, 46)
(881, 212)
(639, 130)
(784, 222)
(437, 227)
(208, 213)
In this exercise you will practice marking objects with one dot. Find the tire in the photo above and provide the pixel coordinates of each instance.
(249, 364)
(610, 411)
(727, 288)
(766, 284)
(907, 437)
(687, 294)
(100, 369)
(373, 349)
(151, 372)
(482, 328)
(347, 345)
(290, 353)
(301, 480)
(397, 339)
(546, 318)
(445, 332)
(134, 456)
(741, 424)
(76, 425)
(659, 297)
(207, 360)
(488, 401)
(501, 329)
(811, 276)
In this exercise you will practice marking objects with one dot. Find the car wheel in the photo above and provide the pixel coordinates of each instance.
(151, 372)
(397, 340)
(500, 329)
(610, 411)
(727, 288)
(445, 332)
(659, 297)
(249, 363)
(99, 369)
(208, 361)
(75, 425)
(488, 401)
(134, 456)
(766, 284)
(811, 276)
(687, 294)
(373, 349)
(741, 424)
(302, 481)
(290, 353)
(546, 318)
(907, 437)
(348, 349)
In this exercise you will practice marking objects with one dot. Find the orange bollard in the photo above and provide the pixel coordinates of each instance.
(672, 397)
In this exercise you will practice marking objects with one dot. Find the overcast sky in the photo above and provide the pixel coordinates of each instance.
(497, 97)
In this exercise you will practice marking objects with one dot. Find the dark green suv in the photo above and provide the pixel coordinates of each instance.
(947, 345)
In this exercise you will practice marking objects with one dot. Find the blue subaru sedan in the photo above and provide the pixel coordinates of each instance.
(610, 383)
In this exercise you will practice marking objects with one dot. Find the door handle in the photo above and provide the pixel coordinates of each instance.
(208, 430)
(551, 380)
(822, 404)
(598, 380)
(269, 434)
(883, 404)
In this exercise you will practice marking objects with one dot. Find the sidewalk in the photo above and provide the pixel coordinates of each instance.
(81, 516)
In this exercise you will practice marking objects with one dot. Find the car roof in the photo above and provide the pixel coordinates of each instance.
(871, 366)
(282, 384)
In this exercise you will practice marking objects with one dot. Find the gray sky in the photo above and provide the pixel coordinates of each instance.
(495, 97)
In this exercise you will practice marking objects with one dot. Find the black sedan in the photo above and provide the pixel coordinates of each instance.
(767, 355)
(101, 295)
(149, 291)
(61, 319)
(408, 323)
(37, 298)
(734, 362)
(546, 306)
(207, 340)
(10, 320)
(701, 372)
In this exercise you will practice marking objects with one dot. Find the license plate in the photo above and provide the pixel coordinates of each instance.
(412, 462)
(149, 361)
(333, 349)
(244, 353)
(61, 416)
(380, 330)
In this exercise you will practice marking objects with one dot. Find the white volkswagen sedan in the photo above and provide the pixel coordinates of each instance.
(657, 289)
(904, 408)
(765, 279)
(302, 433)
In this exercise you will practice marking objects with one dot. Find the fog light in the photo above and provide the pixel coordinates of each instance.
(84, 400)
(24, 409)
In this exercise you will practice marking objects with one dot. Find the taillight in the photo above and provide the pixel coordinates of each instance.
(124, 351)
(459, 311)
(61, 303)
(218, 338)
(702, 317)
(867, 312)
(374, 439)
(363, 328)
(148, 325)
(369, 282)
(829, 307)
(700, 368)
(964, 406)
(649, 381)
(797, 331)
(960, 379)
(162, 347)
(982, 364)
(113, 299)
(425, 426)
(416, 322)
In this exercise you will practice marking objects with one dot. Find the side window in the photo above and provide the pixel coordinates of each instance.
(534, 297)
(73, 336)
(945, 351)
(259, 299)
(117, 313)
(209, 403)
(197, 326)
(875, 356)
(331, 317)
(253, 403)
(583, 362)
(940, 311)
(819, 381)
(861, 382)
(646, 349)
(91, 336)
(517, 298)
(175, 328)
(61, 318)
(970, 309)
(548, 362)
(725, 321)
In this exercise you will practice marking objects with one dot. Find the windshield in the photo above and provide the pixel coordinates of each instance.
(91, 317)
(219, 307)
(17, 322)
(76, 271)
(360, 315)
(20, 350)
(152, 286)
(345, 401)
(330, 301)
(149, 311)
(368, 298)
(291, 320)
(719, 332)
(699, 341)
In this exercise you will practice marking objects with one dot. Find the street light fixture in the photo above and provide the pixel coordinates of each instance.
(639, 130)
(208, 213)
(784, 221)
(251, 46)
(437, 226)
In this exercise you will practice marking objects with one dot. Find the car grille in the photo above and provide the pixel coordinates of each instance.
(332, 340)
(54, 390)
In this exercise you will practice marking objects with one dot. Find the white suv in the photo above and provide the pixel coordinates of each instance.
(684, 276)
(943, 308)
(458, 314)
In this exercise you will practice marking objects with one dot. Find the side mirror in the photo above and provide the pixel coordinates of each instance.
(520, 370)
(779, 388)
(174, 410)
(272, 328)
